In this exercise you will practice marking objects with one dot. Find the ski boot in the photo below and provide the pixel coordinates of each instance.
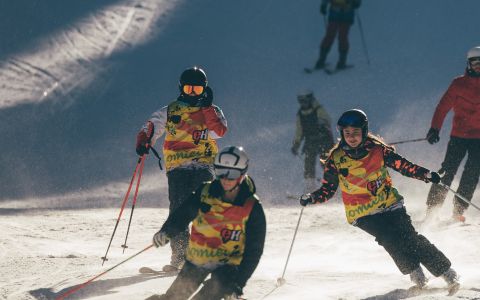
(418, 278)
(451, 278)
(320, 64)
(342, 60)
(458, 218)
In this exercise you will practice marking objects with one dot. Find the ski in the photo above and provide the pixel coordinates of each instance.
(334, 71)
(150, 271)
(311, 70)
(416, 291)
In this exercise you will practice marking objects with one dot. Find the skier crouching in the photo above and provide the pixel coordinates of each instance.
(358, 163)
(227, 234)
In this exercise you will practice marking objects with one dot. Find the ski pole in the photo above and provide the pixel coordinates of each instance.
(281, 281)
(104, 258)
(407, 141)
(360, 27)
(68, 293)
(458, 195)
(134, 201)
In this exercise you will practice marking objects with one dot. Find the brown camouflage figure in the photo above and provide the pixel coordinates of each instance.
(312, 127)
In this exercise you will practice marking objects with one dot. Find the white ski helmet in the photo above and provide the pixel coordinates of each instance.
(231, 163)
(474, 52)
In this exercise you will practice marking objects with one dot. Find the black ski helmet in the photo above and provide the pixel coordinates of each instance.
(193, 76)
(354, 118)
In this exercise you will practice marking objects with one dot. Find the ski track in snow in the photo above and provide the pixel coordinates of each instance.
(73, 57)
(47, 252)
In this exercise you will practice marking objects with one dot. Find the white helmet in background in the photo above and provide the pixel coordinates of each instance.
(305, 97)
(473, 60)
(474, 52)
(231, 163)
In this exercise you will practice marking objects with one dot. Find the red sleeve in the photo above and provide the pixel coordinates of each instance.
(444, 106)
(215, 122)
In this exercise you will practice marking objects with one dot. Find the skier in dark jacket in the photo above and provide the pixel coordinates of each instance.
(340, 18)
(313, 126)
(191, 125)
(463, 97)
(227, 235)
(358, 164)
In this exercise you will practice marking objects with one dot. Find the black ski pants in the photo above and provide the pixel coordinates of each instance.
(394, 231)
(192, 276)
(457, 149)
(181, 183)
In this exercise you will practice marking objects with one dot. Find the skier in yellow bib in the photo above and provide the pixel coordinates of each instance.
(191, 125)
(227, 234)
(358, 165)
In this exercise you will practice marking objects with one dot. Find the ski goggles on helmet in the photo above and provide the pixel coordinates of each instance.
(475, 61)
(305, 98)
(193, 89)
(228, 173)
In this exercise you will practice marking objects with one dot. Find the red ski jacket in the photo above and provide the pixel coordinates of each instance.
(463, 96)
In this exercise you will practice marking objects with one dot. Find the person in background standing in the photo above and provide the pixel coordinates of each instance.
(341, 14)
(463, 97)
(313, 127)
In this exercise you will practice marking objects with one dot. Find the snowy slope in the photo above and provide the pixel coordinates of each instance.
(46, 253)
(78, 79)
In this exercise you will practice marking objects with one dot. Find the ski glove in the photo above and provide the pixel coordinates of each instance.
(206, 99)
(323, 9)
(306, 199)
(432, 136)
(433, 177)
(144, 138)
(160, 239)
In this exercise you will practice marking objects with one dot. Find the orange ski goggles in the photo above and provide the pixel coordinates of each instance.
(193, 89)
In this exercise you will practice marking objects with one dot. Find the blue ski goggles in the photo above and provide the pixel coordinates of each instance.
(228, 173)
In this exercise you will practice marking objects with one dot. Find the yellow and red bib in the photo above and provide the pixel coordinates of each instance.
(187, 137)
(218, 233)
(367, 186)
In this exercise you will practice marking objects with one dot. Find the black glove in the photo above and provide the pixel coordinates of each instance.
(434, 177)
(323, 9)
(306, 199)
(207, 98)
(432, 136)
(294, 150)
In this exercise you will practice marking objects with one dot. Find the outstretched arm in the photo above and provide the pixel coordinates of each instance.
(403, 166)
